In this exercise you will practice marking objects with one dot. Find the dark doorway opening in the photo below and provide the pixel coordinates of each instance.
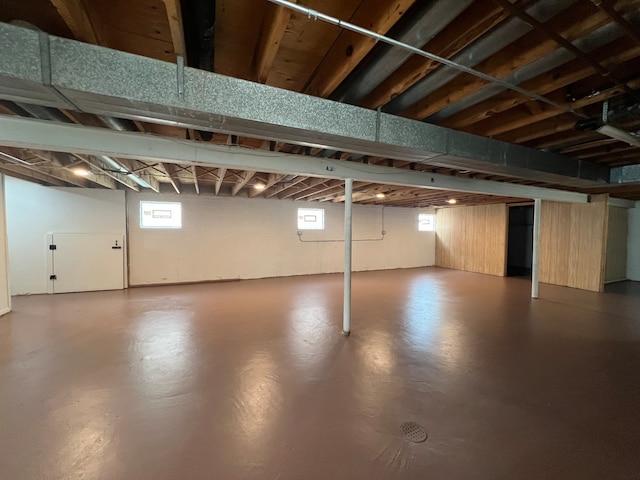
(520, 243)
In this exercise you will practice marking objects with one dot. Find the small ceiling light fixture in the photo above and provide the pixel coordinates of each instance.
(380, 195)
(452, 201)
(81, 172)
(259, 186)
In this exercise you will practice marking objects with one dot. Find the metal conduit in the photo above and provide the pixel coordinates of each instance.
(354, 28)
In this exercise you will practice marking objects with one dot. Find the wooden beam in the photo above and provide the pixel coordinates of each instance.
(629, 29)
(174, 16)
(170, 171)
(314, 182)
(619, 148)
(30, 175)
(273, 179)
(281, 188)
(553, 142)
(101, 178)
(325, 193)
(561, 123)
(59, 173)
(221, 173)
(474, 22)
(524, 115)
(350, 47)
(79, 21)
(273, 27)
(610, 55)
(194, 171)
(530, 48)
(363, 190)
(242, 181)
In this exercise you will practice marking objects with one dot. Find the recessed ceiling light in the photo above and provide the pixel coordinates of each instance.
(452, 201)
(259, 186)
(82, 172)
(380, 195)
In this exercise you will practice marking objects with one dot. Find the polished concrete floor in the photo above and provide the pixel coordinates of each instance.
(253, 380)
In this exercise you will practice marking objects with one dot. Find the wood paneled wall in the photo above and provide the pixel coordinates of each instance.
(473, 238)
(573, 240)
(617, 233)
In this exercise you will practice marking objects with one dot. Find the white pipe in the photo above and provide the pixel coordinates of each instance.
(348, 203)
(535, 263)
(417, 51)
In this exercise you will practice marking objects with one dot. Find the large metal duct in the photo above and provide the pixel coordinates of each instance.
(123, 85)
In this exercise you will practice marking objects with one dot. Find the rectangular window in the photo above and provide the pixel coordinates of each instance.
(426, 222)
(160, 215)
(310, 219)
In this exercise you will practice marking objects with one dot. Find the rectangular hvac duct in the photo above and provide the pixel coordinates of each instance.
(47, 70)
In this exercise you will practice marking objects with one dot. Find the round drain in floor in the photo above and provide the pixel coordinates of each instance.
(413, 432)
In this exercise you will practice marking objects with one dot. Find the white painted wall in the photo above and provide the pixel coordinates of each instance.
(5, 296)
(633, 245)
(34, 210)
(232, 238)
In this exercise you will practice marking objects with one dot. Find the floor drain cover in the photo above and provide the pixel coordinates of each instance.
(413, 432)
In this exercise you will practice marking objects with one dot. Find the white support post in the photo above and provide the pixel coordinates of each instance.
(348, 203)
(5, 291)
(535, 264)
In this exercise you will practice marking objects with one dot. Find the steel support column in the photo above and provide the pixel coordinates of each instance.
(348, 244)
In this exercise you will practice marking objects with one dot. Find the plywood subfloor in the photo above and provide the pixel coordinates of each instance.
(253, 380)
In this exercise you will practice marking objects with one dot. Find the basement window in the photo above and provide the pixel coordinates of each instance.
(160, 215)
(310, 219)
(426, 222)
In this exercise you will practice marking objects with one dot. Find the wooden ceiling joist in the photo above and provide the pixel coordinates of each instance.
(350, 47)
(79, 21)
(174, 16)
(275, 191)
(194, 173)
(170, 172)
(30, 175)
(273, 178)
(242, 181)
(302, 187)
(56, 174)
(273, 27)
(474, 22)
(573, 71)
(530, 47)
(221, 173)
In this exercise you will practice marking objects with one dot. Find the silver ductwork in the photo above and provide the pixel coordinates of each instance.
(123, 85)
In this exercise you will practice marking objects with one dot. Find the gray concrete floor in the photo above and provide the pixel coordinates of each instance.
(253, 380)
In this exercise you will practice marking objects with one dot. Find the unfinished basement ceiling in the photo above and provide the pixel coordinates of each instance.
(571, 55)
